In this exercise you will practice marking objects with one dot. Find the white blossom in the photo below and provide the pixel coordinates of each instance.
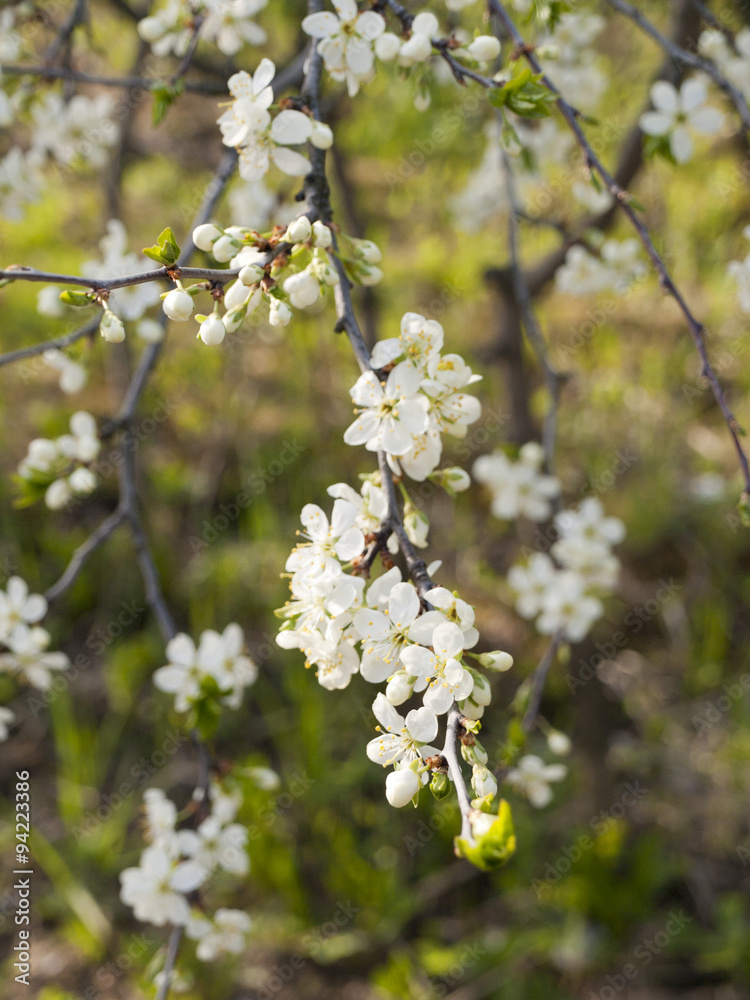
(519, 489)
(346, 40)
(678, 114)
(533, 777)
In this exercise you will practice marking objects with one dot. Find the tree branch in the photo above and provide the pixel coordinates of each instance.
(623, 199)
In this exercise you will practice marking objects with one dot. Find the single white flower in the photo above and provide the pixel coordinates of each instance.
(27, 656)
(401, 740)
(678, 113)
(392, 412)
(385, 634)
(346, 41)
(448, 679)
(329, 544)
(155, 889)
(532, 778)
(18, 607)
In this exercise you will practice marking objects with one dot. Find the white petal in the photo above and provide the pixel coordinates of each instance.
(693, 93)
(291, 128)
(422, 724)
(263, 76)
(321, 25)
(403, 604)
(289, 162)
(664, 97)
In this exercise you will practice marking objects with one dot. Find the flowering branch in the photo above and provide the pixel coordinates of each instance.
(686, 57)
(624, 200)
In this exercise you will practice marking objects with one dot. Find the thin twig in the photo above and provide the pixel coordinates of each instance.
(81, 554)
(57, 343)
(540, 679)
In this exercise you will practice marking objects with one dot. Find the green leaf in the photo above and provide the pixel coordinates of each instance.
(165, 94)
(72, 297)
(494, 848)
(166, 250)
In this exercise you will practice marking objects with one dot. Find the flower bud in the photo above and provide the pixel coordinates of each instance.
(212, 330)
(417, 49)
(425, 24)
(453, 480)
(83, 481)
(298, 231)
(42, 453)
(387, 46)
(367, 250)
(250, 274)
(481, 693)
(236, 295)
(369, 274)
(303, 289)
(485, 48)
(558, 743)
(178, 305)
(399, 687)
(422, 100)
(416, 525)
(321, 234)
(401, 787)
(58, 495)
(280, 313)
(496, 660)
(225, 248)
(440, 785)
(206, 235)
(474, 754)
(150, 330)
(321, 136)
(483, 781)
(151, 29)
(112, 328)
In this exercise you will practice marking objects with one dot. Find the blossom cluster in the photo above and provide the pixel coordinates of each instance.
(228, 24)
(562, 590)
(260, 140)
(24, 642)
(421, 398)
(70, 133)
(519, 489)
(179, 860)
(416, 643)
(349, 41)
(615, 265)
(61, 467)
(296, 277)
(216, 669)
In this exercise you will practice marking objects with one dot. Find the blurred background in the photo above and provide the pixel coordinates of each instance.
(634, 881)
